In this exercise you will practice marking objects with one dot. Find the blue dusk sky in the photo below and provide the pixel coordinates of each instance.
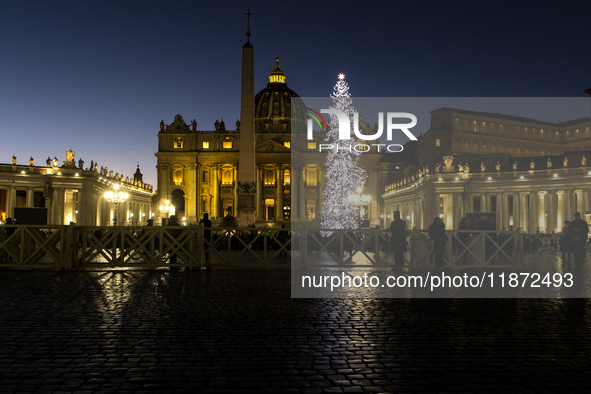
(97, 77)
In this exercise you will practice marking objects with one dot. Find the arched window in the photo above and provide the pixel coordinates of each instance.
(286, 177)
(269, 177)
(177, 175)
(311, 177)
(205, 176)
(227, 177)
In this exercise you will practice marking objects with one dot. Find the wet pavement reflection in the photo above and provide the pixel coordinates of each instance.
(239, 331)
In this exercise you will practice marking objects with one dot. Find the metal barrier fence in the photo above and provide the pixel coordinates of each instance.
(195, 247)
(373, 247)
(470, 249)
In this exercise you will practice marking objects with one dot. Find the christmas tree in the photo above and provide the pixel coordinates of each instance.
(343, 174)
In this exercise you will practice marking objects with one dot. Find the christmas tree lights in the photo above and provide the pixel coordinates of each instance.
(343, 174)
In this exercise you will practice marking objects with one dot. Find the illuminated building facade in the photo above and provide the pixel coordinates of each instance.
(533, 174)
(73, 194)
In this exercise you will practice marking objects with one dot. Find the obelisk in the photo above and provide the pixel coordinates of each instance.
(246, 158)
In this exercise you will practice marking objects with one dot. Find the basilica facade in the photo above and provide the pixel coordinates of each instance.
(198, 169)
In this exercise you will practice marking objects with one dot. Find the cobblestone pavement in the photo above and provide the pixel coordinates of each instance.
(238, 331)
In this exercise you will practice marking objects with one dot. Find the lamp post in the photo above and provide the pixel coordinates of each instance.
(168, 209)
(360, 200)
(116, 198)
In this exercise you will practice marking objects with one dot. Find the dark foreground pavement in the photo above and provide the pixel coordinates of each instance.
(240, 332)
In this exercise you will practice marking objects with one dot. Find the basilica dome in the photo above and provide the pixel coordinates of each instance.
(273, 104)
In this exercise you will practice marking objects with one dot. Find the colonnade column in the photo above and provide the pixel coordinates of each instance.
(579, 202)
(11, 202)
(31, 197)
(82, 218)
(567, 205)
(506, 211)
(571, 204)
(584, 202)
(551, 209)
(57, 206)
(458, 208)
(542, 218)
(533, 213)
(484, 202)
(500, 212)
(525, 214)
(560, 208)
(516, 211)
(430, 207)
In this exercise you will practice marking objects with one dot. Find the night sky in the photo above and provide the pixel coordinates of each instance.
(97, 77)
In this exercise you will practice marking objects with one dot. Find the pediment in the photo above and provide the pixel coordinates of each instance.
(271, 146)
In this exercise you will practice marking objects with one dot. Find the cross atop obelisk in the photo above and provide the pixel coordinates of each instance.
(248, 14)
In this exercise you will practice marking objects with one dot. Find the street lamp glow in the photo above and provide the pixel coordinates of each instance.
(115, 198)
(167, 208)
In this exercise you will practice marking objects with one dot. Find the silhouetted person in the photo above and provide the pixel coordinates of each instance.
(206, 234)
(10, 230)
(579, 232)
(172, 221)
(565, 245)
(398, 238)
(439, 237)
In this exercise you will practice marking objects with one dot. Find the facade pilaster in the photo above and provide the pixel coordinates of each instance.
(279, 215)
(235, 194)
(322, 183)
(191, 208)
(259, 204)
(215, 191)
(295, 191)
